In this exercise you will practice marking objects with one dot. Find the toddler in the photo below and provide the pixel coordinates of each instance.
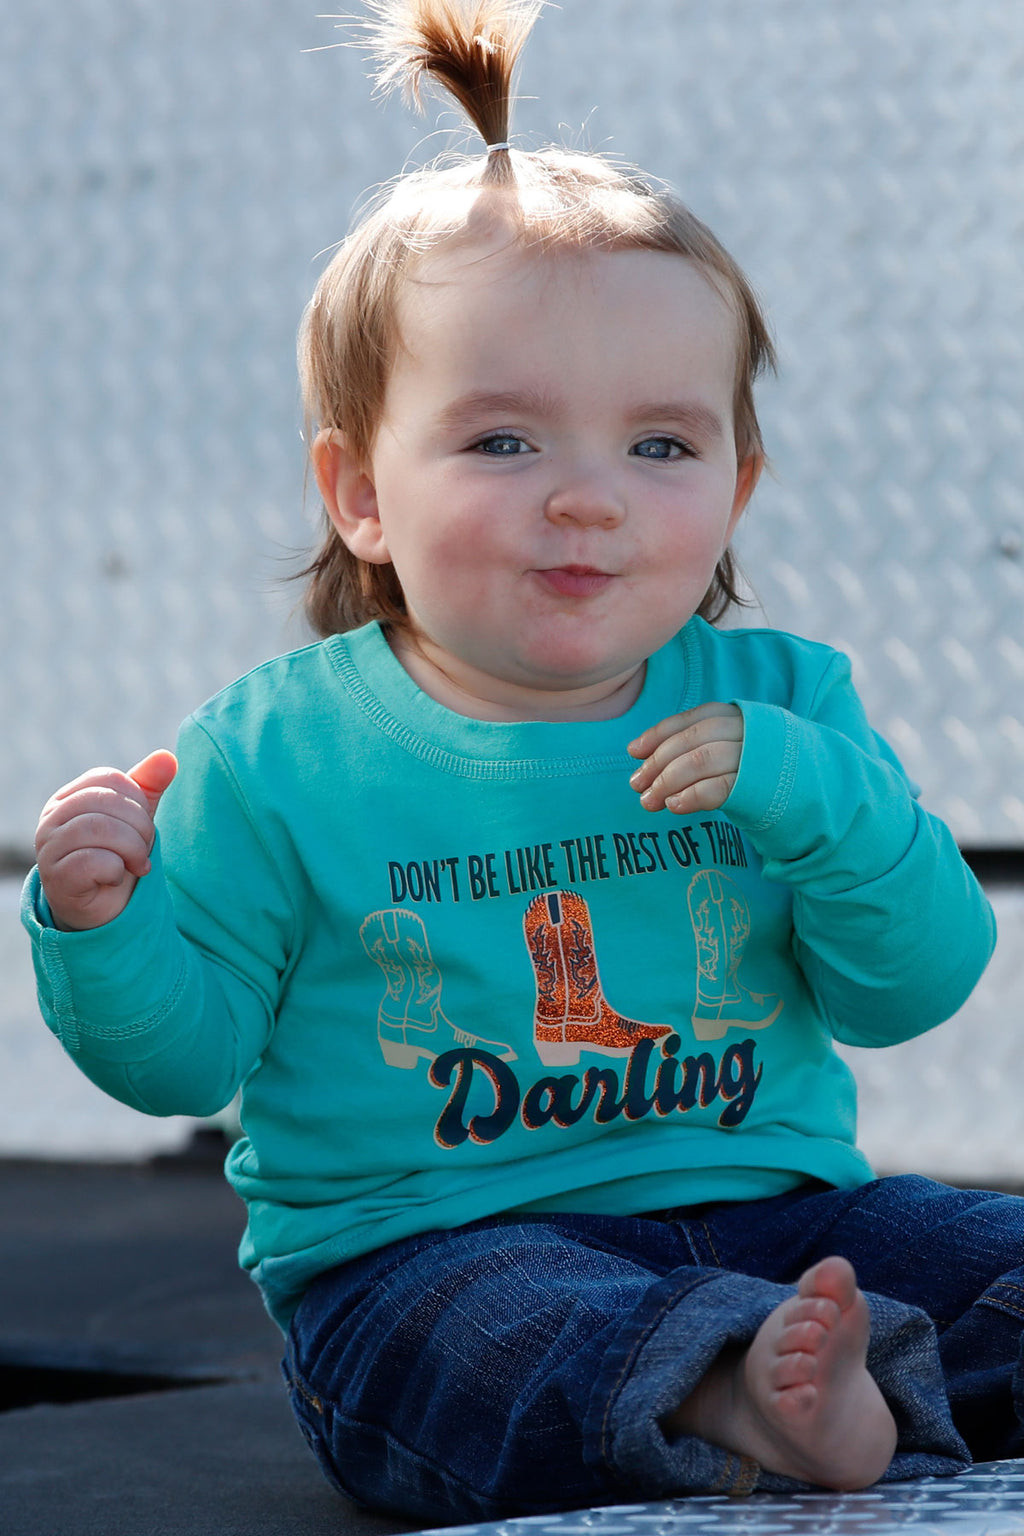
(525, 906)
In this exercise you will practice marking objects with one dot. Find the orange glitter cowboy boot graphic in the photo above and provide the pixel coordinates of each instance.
(571, 1012)
(410, 1022)
(721, 926)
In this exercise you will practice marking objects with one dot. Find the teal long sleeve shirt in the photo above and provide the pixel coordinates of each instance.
(456, 969)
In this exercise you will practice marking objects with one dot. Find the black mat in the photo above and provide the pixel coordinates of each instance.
(210, 1461)
(124, 1280)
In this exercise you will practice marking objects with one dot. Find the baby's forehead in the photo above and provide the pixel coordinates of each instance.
(519, 268)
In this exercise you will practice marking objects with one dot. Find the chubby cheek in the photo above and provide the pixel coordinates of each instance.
(430, 546)
(472, 548)
(679, 575)
(450, 576)
(696, 543)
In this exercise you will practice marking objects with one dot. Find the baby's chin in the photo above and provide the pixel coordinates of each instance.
(555, 692)
(536, 687)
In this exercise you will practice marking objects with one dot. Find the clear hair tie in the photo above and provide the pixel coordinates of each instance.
(491, 148)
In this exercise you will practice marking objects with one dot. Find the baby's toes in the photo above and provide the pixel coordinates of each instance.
(806, 1338)
(813, 1309)
(834, 1278)
(796, 1400)
(793, 1371)
(797, 1368)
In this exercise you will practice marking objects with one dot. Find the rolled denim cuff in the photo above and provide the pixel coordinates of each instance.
(903, 1358)
(667, 1346)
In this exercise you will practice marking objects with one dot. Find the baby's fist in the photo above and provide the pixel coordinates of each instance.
(94, 839)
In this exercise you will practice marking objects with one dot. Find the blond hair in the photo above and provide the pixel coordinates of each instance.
(548, 199)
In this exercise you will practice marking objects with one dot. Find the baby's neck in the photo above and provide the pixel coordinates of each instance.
(482, 697)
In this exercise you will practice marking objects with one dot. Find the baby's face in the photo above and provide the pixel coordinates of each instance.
(555, 472)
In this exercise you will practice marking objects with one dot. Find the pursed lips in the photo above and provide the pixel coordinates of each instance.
(575, 580)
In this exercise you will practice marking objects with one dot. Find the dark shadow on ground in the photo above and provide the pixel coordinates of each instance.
(121, 1302)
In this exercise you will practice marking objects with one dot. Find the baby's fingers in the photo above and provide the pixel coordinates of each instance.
(84, 876)
(695, 720)
(113, 798)
(682, 735)
(690, 760)
(93, 840)
(699, 780)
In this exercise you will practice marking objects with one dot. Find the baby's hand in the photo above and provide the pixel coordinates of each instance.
(94, 838)
(690, 761)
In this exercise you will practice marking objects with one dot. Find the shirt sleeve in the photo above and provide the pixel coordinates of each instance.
(891, 928)
(169, 1006)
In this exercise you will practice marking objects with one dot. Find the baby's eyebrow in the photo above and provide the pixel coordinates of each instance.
(468, 408)
(688, 415)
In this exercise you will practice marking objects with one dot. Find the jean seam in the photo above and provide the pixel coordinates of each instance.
(743, 1483)
(994, 1298)
(711, 1244)
(299, 1386)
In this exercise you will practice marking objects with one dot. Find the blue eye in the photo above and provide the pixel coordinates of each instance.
(501, 445)
(661, 448)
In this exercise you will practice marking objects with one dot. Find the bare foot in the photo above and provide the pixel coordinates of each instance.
(800, 1400)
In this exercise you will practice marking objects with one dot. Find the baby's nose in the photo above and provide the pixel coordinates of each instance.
(588, 500)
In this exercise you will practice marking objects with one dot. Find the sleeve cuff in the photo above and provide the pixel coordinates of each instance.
(764, 784)
(119, 975)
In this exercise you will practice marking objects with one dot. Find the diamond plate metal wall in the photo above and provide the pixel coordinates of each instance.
(986, 1500)
(168, 175)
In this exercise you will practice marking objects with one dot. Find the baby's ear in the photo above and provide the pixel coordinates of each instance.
(748, 473)
(350, 496)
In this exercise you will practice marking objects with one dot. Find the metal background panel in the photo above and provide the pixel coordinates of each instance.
(986, 1500)
(170, 174)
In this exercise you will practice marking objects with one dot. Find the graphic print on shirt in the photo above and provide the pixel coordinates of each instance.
(572, 1016)
(571, 1011)
(410, 1020)
(720, 914)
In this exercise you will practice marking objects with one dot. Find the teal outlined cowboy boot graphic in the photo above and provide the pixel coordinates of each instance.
(571, 1013)
(720, 915)
(410, 1021)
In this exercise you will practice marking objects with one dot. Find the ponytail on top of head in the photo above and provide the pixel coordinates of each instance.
(546, 199)
(468, 48)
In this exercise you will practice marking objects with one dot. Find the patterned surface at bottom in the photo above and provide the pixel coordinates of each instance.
(988, 1500)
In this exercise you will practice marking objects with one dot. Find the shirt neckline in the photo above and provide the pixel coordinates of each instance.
(402, 711)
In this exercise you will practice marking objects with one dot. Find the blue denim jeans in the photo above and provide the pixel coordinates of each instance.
(526, 1364)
